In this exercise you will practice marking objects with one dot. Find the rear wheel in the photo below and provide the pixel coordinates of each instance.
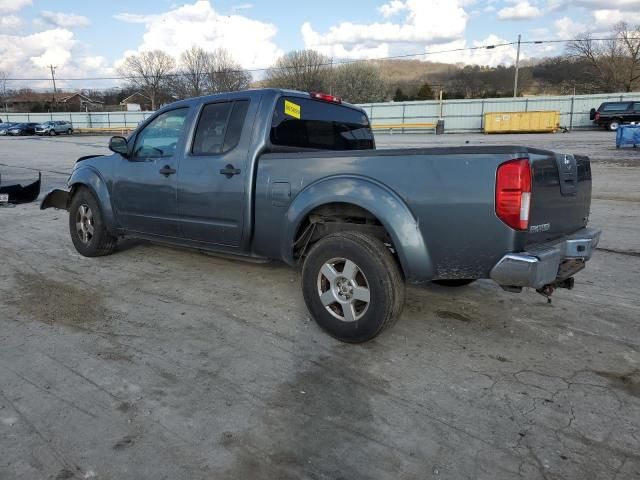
(352, 286)
(86, 224)
(69, 131)
(457, 282)
(614, 124)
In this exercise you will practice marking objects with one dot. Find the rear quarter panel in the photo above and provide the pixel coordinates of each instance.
(449, 192)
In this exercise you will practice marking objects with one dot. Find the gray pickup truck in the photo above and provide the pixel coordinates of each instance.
(291, 176)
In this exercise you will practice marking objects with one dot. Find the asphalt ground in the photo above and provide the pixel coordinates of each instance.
(158, 362)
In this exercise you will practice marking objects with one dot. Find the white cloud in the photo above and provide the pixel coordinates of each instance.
(29, 56)
(493, 57)
(12, 6)
(249, 41)
(522, 10)
(392, 8)
(607, 18)
(10, 23)
(244, 6)
(625, 5)
(566, 28)
(424, 22)
(63, 20)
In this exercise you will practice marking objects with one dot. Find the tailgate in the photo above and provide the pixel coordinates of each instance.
(560, 195)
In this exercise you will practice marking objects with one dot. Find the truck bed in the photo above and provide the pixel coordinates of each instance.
(450, 192)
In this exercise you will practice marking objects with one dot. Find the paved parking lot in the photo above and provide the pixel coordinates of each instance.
(164, 363)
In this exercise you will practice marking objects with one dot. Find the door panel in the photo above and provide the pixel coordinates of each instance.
(212, 177)
(145, 185)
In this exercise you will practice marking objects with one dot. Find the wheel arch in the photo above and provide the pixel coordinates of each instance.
(90, 178)
(372, 197)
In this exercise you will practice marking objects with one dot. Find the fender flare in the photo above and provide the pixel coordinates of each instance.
(379, 200)
(91, 178)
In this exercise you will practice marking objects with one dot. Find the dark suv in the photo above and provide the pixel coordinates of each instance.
(611, 115)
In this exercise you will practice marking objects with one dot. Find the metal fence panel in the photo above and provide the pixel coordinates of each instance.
(459, 115)
(467, 115)
(83, 119)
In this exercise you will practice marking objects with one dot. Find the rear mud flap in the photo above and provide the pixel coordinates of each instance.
(15, 194)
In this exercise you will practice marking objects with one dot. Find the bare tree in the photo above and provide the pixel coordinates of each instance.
(3, 89)
(359, 82)
(195, 65)
(305, 70)
(149, 72)
(616, 61)
(224, 74)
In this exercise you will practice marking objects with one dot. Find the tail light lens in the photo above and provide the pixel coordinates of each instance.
(513, 193)
(597, 116)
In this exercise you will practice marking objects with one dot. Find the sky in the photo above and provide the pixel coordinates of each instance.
(90, 38)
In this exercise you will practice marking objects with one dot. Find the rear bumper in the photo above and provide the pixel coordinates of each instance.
(547, 263)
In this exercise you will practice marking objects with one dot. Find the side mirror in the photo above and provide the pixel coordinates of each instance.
(119, 145)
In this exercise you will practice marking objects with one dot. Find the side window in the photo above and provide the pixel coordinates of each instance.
(219, 127)
(615, 107)
(636, 107)
(236, 122)
(212, 125)
(159, 139)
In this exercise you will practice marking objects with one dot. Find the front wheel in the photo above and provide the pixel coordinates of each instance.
(352, 286)
(89, 233)
(69, 132)
(52, 133)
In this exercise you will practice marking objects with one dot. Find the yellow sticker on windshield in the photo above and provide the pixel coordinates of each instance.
(292, 109)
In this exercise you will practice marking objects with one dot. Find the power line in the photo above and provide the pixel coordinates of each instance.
(339, 62)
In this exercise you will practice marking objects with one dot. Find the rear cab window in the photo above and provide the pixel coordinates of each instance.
(313, 124)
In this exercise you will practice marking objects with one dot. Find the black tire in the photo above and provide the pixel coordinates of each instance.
(613, 124)
(377, 269)
(69, 131)
(100, 242)
(455, 282)
(52, 132)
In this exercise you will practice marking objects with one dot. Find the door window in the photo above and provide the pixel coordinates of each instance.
(636, 107)
(219, 127)
(159, 139)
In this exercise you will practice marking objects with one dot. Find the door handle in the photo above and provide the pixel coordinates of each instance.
(167, 170)
(229, 171)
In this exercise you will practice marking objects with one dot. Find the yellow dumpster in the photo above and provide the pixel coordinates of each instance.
(521, 122)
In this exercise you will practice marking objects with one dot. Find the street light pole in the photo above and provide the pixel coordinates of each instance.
(515, 81)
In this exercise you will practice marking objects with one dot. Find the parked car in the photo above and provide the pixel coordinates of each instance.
(612, 114)
(4, 128)
(54, 127)
(291, 176)
(22, 129)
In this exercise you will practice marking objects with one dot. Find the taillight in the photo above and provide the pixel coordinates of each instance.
(513, 193)
(597, 117)
(325, 97)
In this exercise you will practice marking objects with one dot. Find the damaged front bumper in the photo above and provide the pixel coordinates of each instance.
(546, 264)
(18, 193)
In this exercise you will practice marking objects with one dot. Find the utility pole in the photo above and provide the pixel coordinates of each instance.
(515, 81)
(53, 79)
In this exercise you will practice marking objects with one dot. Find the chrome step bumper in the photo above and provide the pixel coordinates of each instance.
(546, 263)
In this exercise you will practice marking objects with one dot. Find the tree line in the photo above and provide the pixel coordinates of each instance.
(587, 66)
